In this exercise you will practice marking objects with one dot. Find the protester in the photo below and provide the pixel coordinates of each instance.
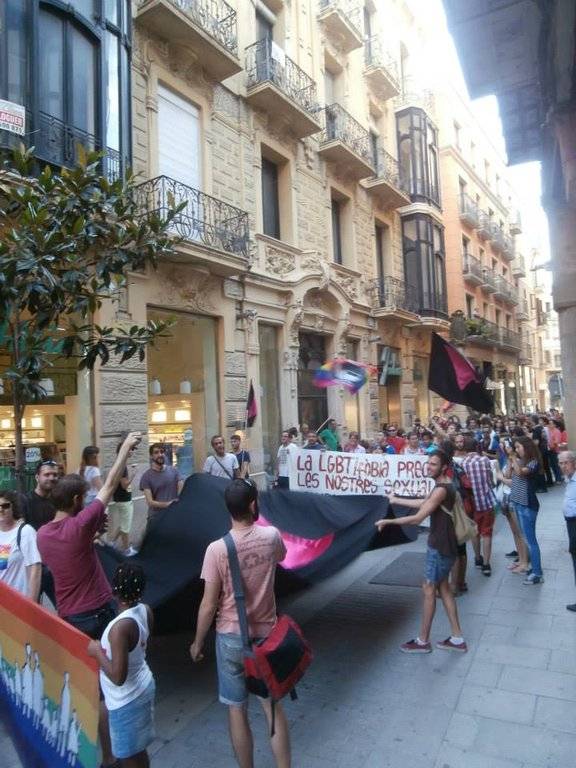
(567, 463)
(259, 548)
(397, 442)
(427, 441)
(242, 456)
(353, 445)
(329, 436)
(125, 677)
(313, 443)
(221, 464)
(83, 595)
(285, 455)
(478, 469)
(459, 446)
(412, 447)
(90, 472)
(161, 483)
(122, 509)
(523, 468)
(38, 505)
(440, 557)
(20, 561)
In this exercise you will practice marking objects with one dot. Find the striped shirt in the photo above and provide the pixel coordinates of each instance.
(479, 471)
(523, 491)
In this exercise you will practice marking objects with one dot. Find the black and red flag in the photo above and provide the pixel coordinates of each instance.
(454, 377)
(251, 408)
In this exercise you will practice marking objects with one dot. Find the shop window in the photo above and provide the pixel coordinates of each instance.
(183, 384)
(418, 155)
(424, 262)
(270, 394)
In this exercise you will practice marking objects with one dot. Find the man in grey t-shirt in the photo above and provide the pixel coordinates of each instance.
(221, 464)
(161, 484)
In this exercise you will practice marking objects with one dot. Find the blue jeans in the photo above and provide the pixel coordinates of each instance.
(527, 520)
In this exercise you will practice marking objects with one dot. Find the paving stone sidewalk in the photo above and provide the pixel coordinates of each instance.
(509, 703)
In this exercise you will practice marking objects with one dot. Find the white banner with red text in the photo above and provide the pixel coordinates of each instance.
(360, 474)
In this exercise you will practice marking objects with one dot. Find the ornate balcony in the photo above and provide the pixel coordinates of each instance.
(380, 69)
(208, 27)
(488, 284)
(515, 223)
(509, 339)
(57, 143)
(526, 354)
(484, 226)
(472, 270)
(496, 238)
(346, 143)
(343, 23)
(469, 213)
(277, 85)
(211, 230)
(394, 298)
(519, 266)
(508, 250)
(412, 95)
(505, 290)
(522, 311)
(485, 333)
(388, 184)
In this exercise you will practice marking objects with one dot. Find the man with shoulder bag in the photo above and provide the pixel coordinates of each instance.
(238, 575)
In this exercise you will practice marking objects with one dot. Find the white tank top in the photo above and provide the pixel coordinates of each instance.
(139, 675)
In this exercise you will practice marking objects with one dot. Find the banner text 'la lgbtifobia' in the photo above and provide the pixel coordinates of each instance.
(359, 474)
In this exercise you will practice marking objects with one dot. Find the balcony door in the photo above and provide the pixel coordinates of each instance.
(179, 153)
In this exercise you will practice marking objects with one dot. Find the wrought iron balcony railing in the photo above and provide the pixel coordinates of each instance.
(433, 304)
(509, 338)
(472, 267)
(215, 17)
(339, 125)
(375, 55)
(394, 294)
(483, 331)
(57, 143)
(506, 290)
(469, 210)
(350, 10)
(265, 61)
(484, 225)
(204, 219)
(388, 168)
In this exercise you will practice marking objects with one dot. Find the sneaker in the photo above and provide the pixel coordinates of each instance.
(479, 561)
(533, 579)
(413, 647)
(486, 570)
(571, 607)
(513, 554)
(448, 645)
(130, 552)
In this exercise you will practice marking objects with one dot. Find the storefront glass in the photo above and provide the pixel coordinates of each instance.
(183, 387)
(270, 394)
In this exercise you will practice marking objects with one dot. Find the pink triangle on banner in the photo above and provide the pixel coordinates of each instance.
(465, 373)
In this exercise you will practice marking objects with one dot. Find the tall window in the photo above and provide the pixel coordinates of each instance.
(465, 246)
(270, 199)
(264, 27)
(270, 389)
(469, 305)
(418, 155)
(337, 253)
(424, 262)
(382, 239)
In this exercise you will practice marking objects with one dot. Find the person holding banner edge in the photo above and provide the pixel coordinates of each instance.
(440, 556)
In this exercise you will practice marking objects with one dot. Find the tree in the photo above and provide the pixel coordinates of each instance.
(67, 240)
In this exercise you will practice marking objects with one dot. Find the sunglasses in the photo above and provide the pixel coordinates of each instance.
(5, 505)
(48, 463)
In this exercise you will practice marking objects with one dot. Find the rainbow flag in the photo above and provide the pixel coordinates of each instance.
(344, 373)
(48, 686)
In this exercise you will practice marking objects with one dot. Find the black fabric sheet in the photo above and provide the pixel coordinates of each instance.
(173, 550)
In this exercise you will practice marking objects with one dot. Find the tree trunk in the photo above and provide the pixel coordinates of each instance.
(18, 441)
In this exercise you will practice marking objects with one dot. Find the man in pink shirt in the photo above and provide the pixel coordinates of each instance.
(259, 550)
(66, 544)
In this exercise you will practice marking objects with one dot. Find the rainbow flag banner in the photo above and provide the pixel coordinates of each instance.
(343, 373)
(48, 686)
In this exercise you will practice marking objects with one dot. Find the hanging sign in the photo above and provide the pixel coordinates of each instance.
(12, 117)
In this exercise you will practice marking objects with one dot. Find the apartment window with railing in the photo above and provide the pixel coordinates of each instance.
(469, 305)
(465, 246)
(424, 262)
(497, 316)
(382, 238)
(68, 65)
(418, 155)
(336, 213)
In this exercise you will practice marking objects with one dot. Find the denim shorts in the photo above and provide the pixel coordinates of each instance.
(437, 566)
(232, 688)
(132, 726)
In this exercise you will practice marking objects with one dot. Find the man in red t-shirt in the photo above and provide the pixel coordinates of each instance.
(259, 549)
(66, 544)
(394, 439)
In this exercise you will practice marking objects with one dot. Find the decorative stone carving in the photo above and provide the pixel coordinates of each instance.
(233, 289)
(181, 286)
(279, 262)
(226, 102)
(290, 357)
(319, 322)
(348, 284)
(294, 320)
(314, 262)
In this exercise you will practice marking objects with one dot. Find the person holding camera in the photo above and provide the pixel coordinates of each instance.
(523, 468)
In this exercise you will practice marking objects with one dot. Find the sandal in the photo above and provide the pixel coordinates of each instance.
(518, 569)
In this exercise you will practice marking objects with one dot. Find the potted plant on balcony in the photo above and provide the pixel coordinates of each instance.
(475, 326)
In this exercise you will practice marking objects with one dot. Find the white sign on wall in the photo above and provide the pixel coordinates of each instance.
(12, 117)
